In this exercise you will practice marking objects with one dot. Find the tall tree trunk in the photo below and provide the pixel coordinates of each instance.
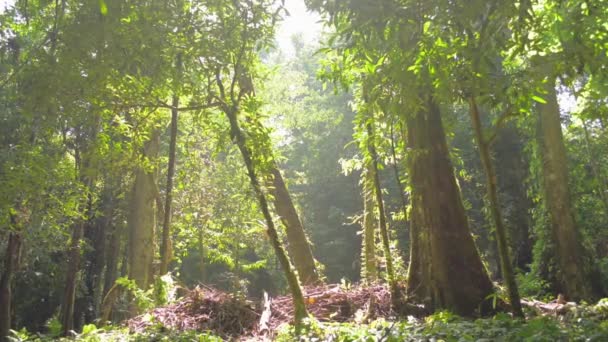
(386, 245)
(74, 250)
(292, 278)
(572, 276)
(297, 241)
(142, 220)
(447, 268)
(166, 250)
(11, 259)
(369, 271)
(73, 262)
(492, 190)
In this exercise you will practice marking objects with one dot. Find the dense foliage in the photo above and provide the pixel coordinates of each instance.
(455, 150)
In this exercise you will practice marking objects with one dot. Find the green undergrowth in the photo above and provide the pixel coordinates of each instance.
(582, 323)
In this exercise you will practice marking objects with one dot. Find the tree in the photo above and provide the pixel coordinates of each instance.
(369, 272)
(573, 276)
(492, 189)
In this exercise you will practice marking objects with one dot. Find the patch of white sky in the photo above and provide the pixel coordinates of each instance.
(4, 4)
(300, 21)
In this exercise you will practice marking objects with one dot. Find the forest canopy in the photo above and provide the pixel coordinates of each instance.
(417, 170)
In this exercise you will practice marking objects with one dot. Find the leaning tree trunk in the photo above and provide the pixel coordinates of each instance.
(298, 244)
(11, 259)
(292, 278)
(492, 190)
(369, 271)
(386, 245)
(446, 268)
(142, 221)
(297, 241)
(572, 276)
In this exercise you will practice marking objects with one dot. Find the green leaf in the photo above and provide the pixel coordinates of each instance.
(103, 8)
(538, 99)
(426, 26)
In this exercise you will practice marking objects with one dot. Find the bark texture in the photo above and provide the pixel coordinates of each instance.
(572, 277)
(297, 241)
(370, 268)
(446, 269)
(141, 220)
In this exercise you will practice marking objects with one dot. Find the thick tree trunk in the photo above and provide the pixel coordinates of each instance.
(297, 241)
(142, 220)
(447, 269)
(572, 276)
(292, 278)
(166, 250)
(492, 190)
(11, 259)
(386, 245)
(369, 271)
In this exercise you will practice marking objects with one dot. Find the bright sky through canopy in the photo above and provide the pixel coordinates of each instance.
(300, 20)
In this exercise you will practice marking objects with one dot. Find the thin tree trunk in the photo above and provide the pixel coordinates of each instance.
(572, 276)
(511, 168)
(74, 250)
(292, 278)
(297, 241)
(492, 189)
(166, 249)
(201, 251)
(397, 174)
(112, 256)
(69, 294)
(370, 269)
(386, 245)
(449, 273)
(11, 259)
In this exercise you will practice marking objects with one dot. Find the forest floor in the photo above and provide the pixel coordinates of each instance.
(364, 313)
(343, 313)
(208, 309)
